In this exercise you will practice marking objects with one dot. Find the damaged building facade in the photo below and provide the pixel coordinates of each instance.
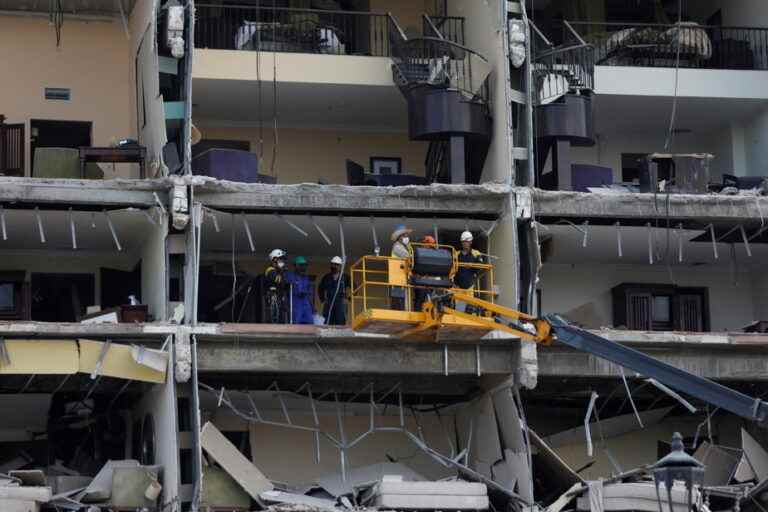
(605, 156)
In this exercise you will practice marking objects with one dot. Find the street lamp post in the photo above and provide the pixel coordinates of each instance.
(677, 466)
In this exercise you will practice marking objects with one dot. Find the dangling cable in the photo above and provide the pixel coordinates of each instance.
(274, 93)
(56, 18)
(258, 81)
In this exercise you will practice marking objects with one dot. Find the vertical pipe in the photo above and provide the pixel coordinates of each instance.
(72, 229)
(2, 223)
(40, 225)
(112, 230)
(248, 232)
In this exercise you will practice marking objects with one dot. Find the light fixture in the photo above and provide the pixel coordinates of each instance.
(677, 466)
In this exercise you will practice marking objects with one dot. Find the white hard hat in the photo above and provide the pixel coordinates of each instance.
(466, 236)
(277, 253)
(337, 260)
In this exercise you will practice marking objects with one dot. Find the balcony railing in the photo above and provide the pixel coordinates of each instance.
(438, 62)
(291, 30)
(558, 70)
(694, 46)
(449, 27)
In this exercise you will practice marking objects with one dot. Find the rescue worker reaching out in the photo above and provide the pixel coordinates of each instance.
(333, 294)
(276, 288)
(302, 295)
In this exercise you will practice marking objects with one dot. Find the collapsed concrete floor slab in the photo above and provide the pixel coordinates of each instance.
(641, 207)
(436, 199)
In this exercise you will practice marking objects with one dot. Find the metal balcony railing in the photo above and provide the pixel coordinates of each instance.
(438, 62)
(695, 46)
(449, 27)
(289, 30)
(558, 70)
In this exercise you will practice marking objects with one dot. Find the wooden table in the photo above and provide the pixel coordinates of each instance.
(129, 154)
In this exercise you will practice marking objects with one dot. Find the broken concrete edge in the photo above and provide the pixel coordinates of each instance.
(485, 200)
(205, 184)
(702, 207)
(119, 192)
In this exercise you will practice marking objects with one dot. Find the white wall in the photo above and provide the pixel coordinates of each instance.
(287, 455)
(756, 145)
(567, 287)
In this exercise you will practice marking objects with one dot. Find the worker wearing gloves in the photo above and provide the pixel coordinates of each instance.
(275, 287)
(465, 277)
(302, 296)
(333, 294)
(401, 248)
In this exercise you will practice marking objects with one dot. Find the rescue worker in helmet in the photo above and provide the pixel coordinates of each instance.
(333, 294)
(401, 248)
(302, 294)
(276, 289)
(466, 277)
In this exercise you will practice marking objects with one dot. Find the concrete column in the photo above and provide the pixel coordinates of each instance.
(457, 159)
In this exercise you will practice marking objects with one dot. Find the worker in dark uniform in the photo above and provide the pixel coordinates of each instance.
(333, 294)
(302, 295)
(466, 277)
(276, 289)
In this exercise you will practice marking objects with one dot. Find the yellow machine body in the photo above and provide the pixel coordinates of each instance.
(375, 279)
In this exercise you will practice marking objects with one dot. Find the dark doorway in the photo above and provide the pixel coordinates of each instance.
(61, 297)
(58, 134)
(117, 285)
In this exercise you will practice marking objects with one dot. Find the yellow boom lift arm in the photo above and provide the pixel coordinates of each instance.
(416, 298)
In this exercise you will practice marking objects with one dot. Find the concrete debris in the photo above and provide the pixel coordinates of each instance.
(297, 499)
(720, 463)
(756, 456)
(100, 488)
(398, 494)
(219, 491)
(30, 477)
(492, 430)
(36, 494)
(336, 486)
(134, 488)
(595, 495)
(744, 471)
(225, 454)
(638, 496)
(564, 499)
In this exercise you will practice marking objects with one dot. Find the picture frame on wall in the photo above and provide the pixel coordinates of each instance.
(386, 165)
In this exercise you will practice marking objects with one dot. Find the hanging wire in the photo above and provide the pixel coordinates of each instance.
(56, 18)
(274, 92)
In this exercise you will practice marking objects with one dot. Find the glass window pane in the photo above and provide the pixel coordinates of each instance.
(662, 308)
(7, 298)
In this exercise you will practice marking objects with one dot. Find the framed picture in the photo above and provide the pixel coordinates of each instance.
(385, 165)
